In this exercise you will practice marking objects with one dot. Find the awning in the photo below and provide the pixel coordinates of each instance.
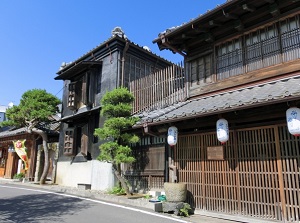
(75, 69)
(83, 112)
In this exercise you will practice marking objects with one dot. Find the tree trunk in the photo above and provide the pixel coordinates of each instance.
(46, 163)
(46, 154)
(117, 172)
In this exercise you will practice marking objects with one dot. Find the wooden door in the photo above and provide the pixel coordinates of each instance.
(11, 165)
(258, 177)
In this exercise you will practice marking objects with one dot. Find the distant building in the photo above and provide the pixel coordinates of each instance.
(2, 113)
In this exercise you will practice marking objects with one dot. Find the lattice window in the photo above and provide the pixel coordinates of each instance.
(229, 59)
(262, 48)
(201, 70)
(72, 97)
(290, 38)
(69, 142)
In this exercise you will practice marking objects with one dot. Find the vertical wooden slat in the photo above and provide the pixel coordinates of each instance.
(280, 173)
(236, 154)
(260, 182)
(157, 90)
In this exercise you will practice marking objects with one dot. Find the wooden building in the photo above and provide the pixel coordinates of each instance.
(241, 63)
(10, 162)
(114, 63)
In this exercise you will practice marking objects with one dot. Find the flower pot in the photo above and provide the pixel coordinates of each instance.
(175, 192)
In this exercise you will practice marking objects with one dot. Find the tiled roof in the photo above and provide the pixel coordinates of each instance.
(257, 95)
(52, 128)
(103, 44)
(13, 132)
(208, 12)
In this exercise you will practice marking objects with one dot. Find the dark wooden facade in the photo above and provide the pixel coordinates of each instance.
(240, 60)
(149, 170)
(116, 62)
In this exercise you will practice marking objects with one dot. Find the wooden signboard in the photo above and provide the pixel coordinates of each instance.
(215, 153)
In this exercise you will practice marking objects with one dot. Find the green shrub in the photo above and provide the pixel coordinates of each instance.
(185, 210)
(117, 191)
(19, 176)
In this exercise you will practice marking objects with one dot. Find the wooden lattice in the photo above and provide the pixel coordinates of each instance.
(259, 176)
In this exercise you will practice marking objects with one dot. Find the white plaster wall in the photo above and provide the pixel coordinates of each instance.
(72, 174)
(96, 173)
(102, 176)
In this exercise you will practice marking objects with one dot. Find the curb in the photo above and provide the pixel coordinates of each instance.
(99, 195)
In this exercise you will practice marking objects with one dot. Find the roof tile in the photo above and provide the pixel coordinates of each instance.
(236, 99)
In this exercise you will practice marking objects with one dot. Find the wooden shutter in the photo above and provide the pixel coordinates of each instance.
(84, 139)
(72, 97)
(91, 87)
(69, 142)
(84, 90)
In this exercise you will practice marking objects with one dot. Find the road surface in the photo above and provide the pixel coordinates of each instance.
(21, 204)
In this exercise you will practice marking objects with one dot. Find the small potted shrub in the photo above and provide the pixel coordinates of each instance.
(19, 176)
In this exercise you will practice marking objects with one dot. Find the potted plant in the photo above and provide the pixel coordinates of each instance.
(19, 176)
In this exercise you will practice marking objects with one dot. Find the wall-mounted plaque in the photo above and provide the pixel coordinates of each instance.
(215, 153)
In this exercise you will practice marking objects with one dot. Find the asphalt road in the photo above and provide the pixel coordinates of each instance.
(20, 204)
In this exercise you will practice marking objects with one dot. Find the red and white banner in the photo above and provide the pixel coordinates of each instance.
(21, 151)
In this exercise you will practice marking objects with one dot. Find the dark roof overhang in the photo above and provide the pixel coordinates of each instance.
(82, 113)
(75, 69)
(224, 21)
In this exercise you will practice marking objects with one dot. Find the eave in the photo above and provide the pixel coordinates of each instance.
(225, 21)
(76, 68)
(81, 113)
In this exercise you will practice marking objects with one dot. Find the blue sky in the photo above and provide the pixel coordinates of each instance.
(36, 36)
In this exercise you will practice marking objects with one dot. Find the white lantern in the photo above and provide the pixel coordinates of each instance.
(222, 130)
(172, 135)
(293, 120)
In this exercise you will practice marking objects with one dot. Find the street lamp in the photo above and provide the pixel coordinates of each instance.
(11, 149)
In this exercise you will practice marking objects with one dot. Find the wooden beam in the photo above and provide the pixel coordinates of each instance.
(230, 15)
(238, 25)
(280, 173)
(168, 45)
(185, 36)
(208, 37)
(248, 8)
(253, 76)
(214, 23)
(199, 29)
(274, 10)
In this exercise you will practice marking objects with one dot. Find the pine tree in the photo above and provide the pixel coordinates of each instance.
(36, 106)
(116, 108)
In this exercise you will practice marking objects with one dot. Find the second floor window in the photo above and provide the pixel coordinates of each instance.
(79, 91)
(72, 96)
(229, 59)
(201, 70)
(290, 38)
(264, 47)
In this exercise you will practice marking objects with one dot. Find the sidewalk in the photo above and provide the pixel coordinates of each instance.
(138, 203)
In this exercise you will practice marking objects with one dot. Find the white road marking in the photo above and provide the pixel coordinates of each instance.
(100, 202)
